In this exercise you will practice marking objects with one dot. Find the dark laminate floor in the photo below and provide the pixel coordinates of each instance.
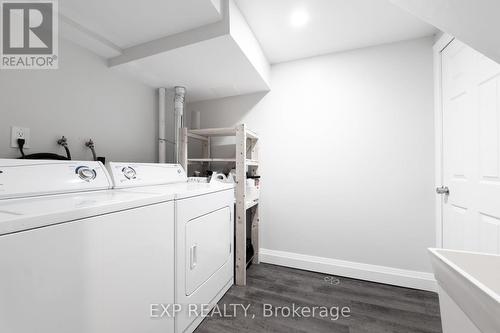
(374, 308)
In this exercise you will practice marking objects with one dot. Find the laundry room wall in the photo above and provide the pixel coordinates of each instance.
(82, 99)
(347, 155)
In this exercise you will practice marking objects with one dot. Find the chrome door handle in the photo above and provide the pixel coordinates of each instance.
(443, 190)
(192, 257)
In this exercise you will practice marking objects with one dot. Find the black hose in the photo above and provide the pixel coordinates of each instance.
(93, 153)
(90, 145)
(64, 142)
(38, 156)
(44, 156)
(68, 153)
(20, 144)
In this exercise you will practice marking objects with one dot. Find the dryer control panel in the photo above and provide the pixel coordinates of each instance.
(26, 178)
(145, 174)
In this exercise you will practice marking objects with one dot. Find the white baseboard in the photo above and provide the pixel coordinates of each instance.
(375, 273)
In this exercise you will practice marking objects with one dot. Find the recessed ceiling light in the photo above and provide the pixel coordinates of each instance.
(299, 18)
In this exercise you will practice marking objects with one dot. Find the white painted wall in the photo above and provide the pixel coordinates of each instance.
(82, 99)
(347, 144)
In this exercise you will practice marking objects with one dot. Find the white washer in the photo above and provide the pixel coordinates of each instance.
(204, 234)
(77, 257)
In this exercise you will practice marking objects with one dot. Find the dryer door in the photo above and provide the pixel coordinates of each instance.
(208, 246)
(204, 255)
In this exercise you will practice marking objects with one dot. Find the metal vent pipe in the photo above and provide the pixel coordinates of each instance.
(162, 125)
(179, 104)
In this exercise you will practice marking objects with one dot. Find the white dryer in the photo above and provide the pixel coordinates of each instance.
(204, 230)
(77, 257)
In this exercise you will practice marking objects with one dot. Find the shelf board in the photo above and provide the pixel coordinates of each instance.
(220, 160)
(210, 160)
(250, 204)
(227, 131)
(252, 135)
(196, 136)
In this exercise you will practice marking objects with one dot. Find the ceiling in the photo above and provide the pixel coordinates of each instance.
(204, 45)
(469, 21)
(208, 46)
(128, 23)
(333, 26)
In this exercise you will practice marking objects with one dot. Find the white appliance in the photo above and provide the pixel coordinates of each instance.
(204, 233)
(77, 257)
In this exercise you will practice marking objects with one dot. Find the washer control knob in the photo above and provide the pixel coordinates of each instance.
(129, 172)
(86, 173)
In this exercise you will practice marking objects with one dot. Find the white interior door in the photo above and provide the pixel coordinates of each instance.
(471, 150)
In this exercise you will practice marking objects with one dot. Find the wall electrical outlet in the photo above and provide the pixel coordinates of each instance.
(19, 133)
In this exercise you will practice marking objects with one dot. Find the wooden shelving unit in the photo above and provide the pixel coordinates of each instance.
(246, 160)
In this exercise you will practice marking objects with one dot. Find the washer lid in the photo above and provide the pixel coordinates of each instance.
(34, 212)
(26, 178)
(145, 174)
